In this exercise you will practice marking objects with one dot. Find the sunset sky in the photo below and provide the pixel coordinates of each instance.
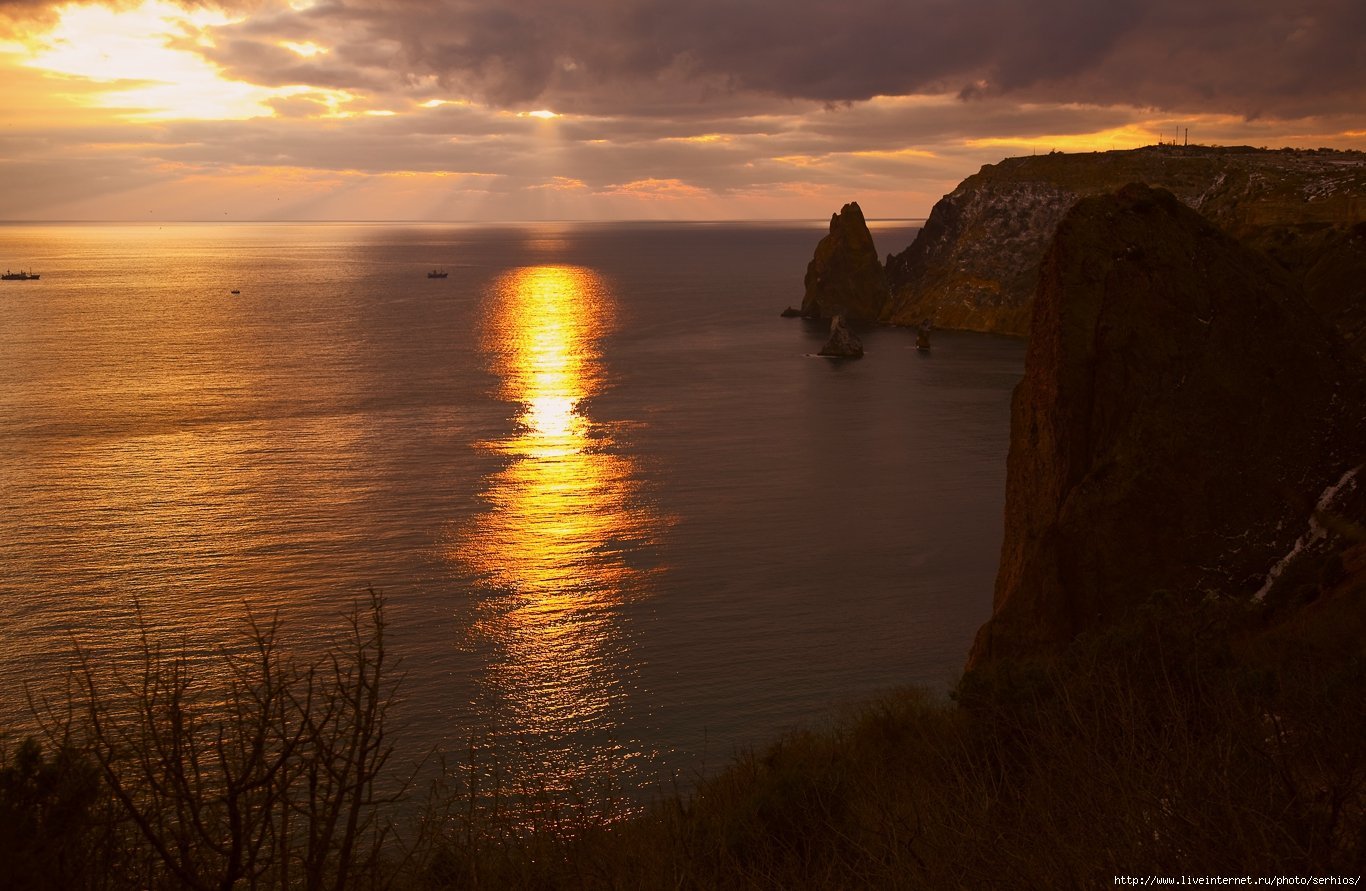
(630, 109)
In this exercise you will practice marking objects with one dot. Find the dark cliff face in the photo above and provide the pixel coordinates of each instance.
(1181, 410)
(845, 276)
(975, 265)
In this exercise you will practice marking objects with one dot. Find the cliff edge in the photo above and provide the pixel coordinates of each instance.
(1182, 414)
(975, 264)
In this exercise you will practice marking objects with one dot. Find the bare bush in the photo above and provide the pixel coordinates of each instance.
(268, 778)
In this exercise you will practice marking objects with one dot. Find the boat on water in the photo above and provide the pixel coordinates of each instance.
(922, 337)
(437, 273)
(19, 276)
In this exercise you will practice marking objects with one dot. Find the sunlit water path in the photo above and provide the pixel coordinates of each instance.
(625, 522)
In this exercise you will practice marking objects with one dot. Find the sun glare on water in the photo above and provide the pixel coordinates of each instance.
(144, 58)
(552, 547)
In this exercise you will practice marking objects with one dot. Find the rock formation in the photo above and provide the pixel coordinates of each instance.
(843, 343)
(975, 264)
(845, 276)
(1181, 413)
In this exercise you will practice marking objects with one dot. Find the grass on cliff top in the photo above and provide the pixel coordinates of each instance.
(1297, 177)
(1202, 739)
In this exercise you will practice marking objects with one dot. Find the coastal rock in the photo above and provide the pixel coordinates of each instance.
(975, 264)
(843, 343)
(845, 275)
(791, 313)
(1182, 414)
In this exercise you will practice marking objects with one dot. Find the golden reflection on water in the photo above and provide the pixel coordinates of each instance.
(555, 547)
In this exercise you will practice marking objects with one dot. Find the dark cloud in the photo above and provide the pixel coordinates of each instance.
(1245, 57)
(723, 97)
(672, 58)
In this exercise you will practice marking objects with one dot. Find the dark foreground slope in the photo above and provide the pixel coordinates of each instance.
(975, 264)
(1182, 413)
(1331, 263)
(1192, 739)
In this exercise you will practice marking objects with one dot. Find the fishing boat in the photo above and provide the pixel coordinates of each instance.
(437, 273)
(19, 276)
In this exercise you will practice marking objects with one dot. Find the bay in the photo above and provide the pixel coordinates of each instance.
(625, 521)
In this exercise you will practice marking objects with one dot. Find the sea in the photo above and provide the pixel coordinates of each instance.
(625, 521)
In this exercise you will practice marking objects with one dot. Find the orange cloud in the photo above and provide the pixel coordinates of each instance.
(561, 184)
(652, 188)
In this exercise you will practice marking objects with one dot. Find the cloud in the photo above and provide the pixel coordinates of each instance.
(1248, 57)
(669, 58)
(698, 106)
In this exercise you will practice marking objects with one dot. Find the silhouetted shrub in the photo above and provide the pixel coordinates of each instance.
(1190, 738)
(52, 831)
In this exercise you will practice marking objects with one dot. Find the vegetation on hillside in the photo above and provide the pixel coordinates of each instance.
(1200, 739)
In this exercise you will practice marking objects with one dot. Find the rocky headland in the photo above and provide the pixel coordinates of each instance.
(1187, 424)
(1192, 418)
(975, 264)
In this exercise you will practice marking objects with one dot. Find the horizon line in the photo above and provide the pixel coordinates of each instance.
(523, 222)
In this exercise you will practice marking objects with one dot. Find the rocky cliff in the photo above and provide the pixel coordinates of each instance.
(845, 276)
(976, 262)
(1182, 414)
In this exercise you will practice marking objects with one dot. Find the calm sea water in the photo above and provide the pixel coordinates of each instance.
(625, 521)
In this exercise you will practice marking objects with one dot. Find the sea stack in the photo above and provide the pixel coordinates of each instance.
(845, 276)
(1182, 413)
(843, 343)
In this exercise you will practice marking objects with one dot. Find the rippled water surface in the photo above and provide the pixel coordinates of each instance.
(626, 523)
